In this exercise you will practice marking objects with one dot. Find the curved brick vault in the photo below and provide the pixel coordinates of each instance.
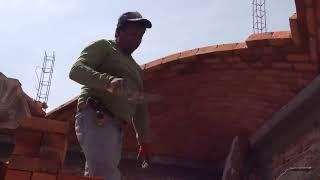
(214, 93)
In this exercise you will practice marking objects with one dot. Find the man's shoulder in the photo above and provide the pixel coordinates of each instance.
(101, 45)
(101, 42)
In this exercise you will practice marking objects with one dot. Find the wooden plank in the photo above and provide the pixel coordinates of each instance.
(233, 169)
(3, 170)
(45, 125)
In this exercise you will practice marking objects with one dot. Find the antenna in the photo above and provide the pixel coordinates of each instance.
(259, 16)
(44, 82)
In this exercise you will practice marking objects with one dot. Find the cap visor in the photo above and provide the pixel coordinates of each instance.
(146, 23)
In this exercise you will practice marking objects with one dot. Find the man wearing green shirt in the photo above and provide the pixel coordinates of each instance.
(111, 82)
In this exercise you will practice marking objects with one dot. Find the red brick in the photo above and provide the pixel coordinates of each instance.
(220, 66)
(308, 3)
(45, 125)
(233, 59)
(212, 60)
(43, 176)
(17, 175)
(313, 49)
(280, 42)
(223, 48)
(266, 79)
(260, 36)
(168, 74)
(268, 50)
(259, 39)
(240, 47)
(153, 64)
(240, 65)
(298, 57)
(34, 164)
(266, 60)
(281, 35)
(208, 49)
(260, 64)
(147, 75)
(317, 6)
(296, 36)
(318, 42)
(311, 21)
(177, 66)
(54, 146)
(282, 66)
(250, 56)
(189, 53)
(226, 47)
(173, 57)
(305, 67)
(70, 177)
(300, 6)
(27, 142)
(281, 38)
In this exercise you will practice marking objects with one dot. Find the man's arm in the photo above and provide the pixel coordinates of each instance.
(84, 70)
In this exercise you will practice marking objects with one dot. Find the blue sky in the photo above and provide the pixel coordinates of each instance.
(29, 28)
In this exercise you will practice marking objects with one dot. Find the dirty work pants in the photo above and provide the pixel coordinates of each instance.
(101, 145)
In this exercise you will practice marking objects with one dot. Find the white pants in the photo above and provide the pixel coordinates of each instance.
(101, 144)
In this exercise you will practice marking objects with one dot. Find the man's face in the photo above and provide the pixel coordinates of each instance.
(130, 36)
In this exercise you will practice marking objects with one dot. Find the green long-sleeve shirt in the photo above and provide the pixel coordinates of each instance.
(97, 65)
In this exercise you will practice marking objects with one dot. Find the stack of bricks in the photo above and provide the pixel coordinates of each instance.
(40, 151)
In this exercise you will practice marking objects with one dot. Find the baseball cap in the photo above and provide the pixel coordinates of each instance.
(133, 17)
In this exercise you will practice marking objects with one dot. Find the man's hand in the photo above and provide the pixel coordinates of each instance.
(118, 87)
(144, 155)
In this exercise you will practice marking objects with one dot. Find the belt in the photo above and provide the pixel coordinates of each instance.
(118, 121)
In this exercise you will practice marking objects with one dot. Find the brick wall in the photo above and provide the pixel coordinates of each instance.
(304, 152)
(214, 93)
(298, 149)
(39, 152)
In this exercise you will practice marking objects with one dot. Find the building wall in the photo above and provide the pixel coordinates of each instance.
(219, 92)
(304, 152)
(294, 141)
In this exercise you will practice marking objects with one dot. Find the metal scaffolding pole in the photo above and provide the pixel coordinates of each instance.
(259, 16)
(44, 82)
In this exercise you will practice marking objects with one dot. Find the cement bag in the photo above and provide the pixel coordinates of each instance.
(13, 104)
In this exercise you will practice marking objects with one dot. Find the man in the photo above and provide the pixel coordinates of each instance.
(111, 82)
